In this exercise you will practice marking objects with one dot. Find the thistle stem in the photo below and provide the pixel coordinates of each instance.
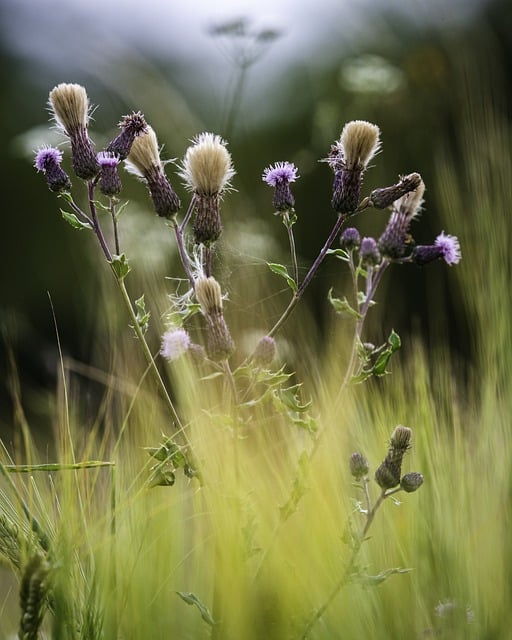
(309, 275)
(349, 568)
(185, 260)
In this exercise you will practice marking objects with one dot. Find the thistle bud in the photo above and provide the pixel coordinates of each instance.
(349, 157)
(48, 160)
(207, 169)
(209, 295)
(369, 252)
(411, 481)
(110, 182)
(350, 239)
(382, 198)
(70, 107)
(144, 161)
(131, 126)
(388, 474)
(265, 352)
(220, 344)
(279, 176)
(359, 466)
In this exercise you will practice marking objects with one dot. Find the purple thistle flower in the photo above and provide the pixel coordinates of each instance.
(445, 247)
(110, 182)
(450, 248)
(280, 172)
(175, 343)
(279, 176)
(350, 239)
(369, 252)
(48, 160)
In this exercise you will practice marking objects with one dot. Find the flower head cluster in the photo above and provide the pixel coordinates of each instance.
(144, 161)
(48, 161)
(279, 176)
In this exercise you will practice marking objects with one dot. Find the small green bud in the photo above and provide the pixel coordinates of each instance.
(359, 466)
(411, 481)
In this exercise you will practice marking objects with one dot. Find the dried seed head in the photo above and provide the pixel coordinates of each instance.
(410, 203)
(358, 143)
(144, 156)
(359, 466)
(207, 167)
(144, 161)
(209, 296)
(70, 107)
(411, 481)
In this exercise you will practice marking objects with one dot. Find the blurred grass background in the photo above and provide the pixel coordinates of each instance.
(444, 110)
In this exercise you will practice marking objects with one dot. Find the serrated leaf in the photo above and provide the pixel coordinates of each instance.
(342, 306)
(142, 315)
(120, 266)
(193, 600)
(282, 271)
(394, 341)
(74, 221)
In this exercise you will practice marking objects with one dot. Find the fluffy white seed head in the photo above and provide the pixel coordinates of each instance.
(358, 143)
(209, 295)
(207, 167)
(69, 105)
(144, 154)
(410, 204)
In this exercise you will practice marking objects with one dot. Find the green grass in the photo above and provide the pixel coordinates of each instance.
(120, 552)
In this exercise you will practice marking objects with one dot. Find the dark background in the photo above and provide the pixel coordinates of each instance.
(424, 74)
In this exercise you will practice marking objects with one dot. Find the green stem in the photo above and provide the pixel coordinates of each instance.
(149, 356)
(348, 569)
(309, 275)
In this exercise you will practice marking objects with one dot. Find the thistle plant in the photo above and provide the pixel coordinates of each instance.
(256, 386)
(390, 480)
